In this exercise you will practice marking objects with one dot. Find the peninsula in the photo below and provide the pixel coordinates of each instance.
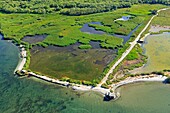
(82, 45)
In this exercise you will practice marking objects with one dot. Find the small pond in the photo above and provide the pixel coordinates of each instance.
(91, 30)
(87, 29)
(34, 39)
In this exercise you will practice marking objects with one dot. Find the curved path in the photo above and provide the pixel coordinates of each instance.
(132, 44)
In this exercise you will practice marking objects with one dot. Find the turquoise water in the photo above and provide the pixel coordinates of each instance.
(30, 95)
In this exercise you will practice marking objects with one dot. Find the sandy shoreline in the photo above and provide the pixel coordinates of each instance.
(77, 87)
(22, 61)
(99, 89)
(145, 78)
(102, 91)
(74, 86)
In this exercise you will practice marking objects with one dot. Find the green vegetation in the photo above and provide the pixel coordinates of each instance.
(16, 26)
(85, 46)
(69, 7)
(133, 60)
(162, 21)
(70, 62)
(105, 86)
(163, 18)
(135, 53)
(65, 30)
(140, 15)
(62, 30)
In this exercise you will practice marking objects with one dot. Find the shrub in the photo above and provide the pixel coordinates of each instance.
(85, 46)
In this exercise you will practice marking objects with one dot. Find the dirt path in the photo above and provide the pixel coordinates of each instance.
(132, 44)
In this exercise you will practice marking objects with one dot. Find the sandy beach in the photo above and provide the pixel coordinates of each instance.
(22, 61)
(146, 78)
(99, 89)
(78, 87)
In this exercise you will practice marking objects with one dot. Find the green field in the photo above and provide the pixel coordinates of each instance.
(68, 27)
(71, 62)
(55, 26)
(163, 18)
(65, 30)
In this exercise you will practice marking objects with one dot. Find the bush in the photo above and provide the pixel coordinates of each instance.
(105, 86)
(85, 46)
(88, 83)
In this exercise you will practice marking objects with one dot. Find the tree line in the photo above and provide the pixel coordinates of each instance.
(69, 7)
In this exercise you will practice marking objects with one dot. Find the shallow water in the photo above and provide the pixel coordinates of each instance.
(34, 39)
(92, 30)
(30, 95)
(157, 48)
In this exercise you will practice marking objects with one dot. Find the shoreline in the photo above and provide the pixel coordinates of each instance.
(22, 60)
(98, 88)
(76, 87)
(144, 78)
(80, 87)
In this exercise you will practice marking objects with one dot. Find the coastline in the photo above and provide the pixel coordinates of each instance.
(22, 60)
(98, 88)
(80, 87)
(77, 87)
(144, 78)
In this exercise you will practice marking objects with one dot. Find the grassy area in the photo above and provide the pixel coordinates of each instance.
(65, 30)
(134, 59)
(139, 14)
(135, 53)
(70, 62)
(85, 46)
(163, 18)
(55, 26)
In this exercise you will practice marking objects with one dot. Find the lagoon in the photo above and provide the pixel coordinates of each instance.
(156, 47)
